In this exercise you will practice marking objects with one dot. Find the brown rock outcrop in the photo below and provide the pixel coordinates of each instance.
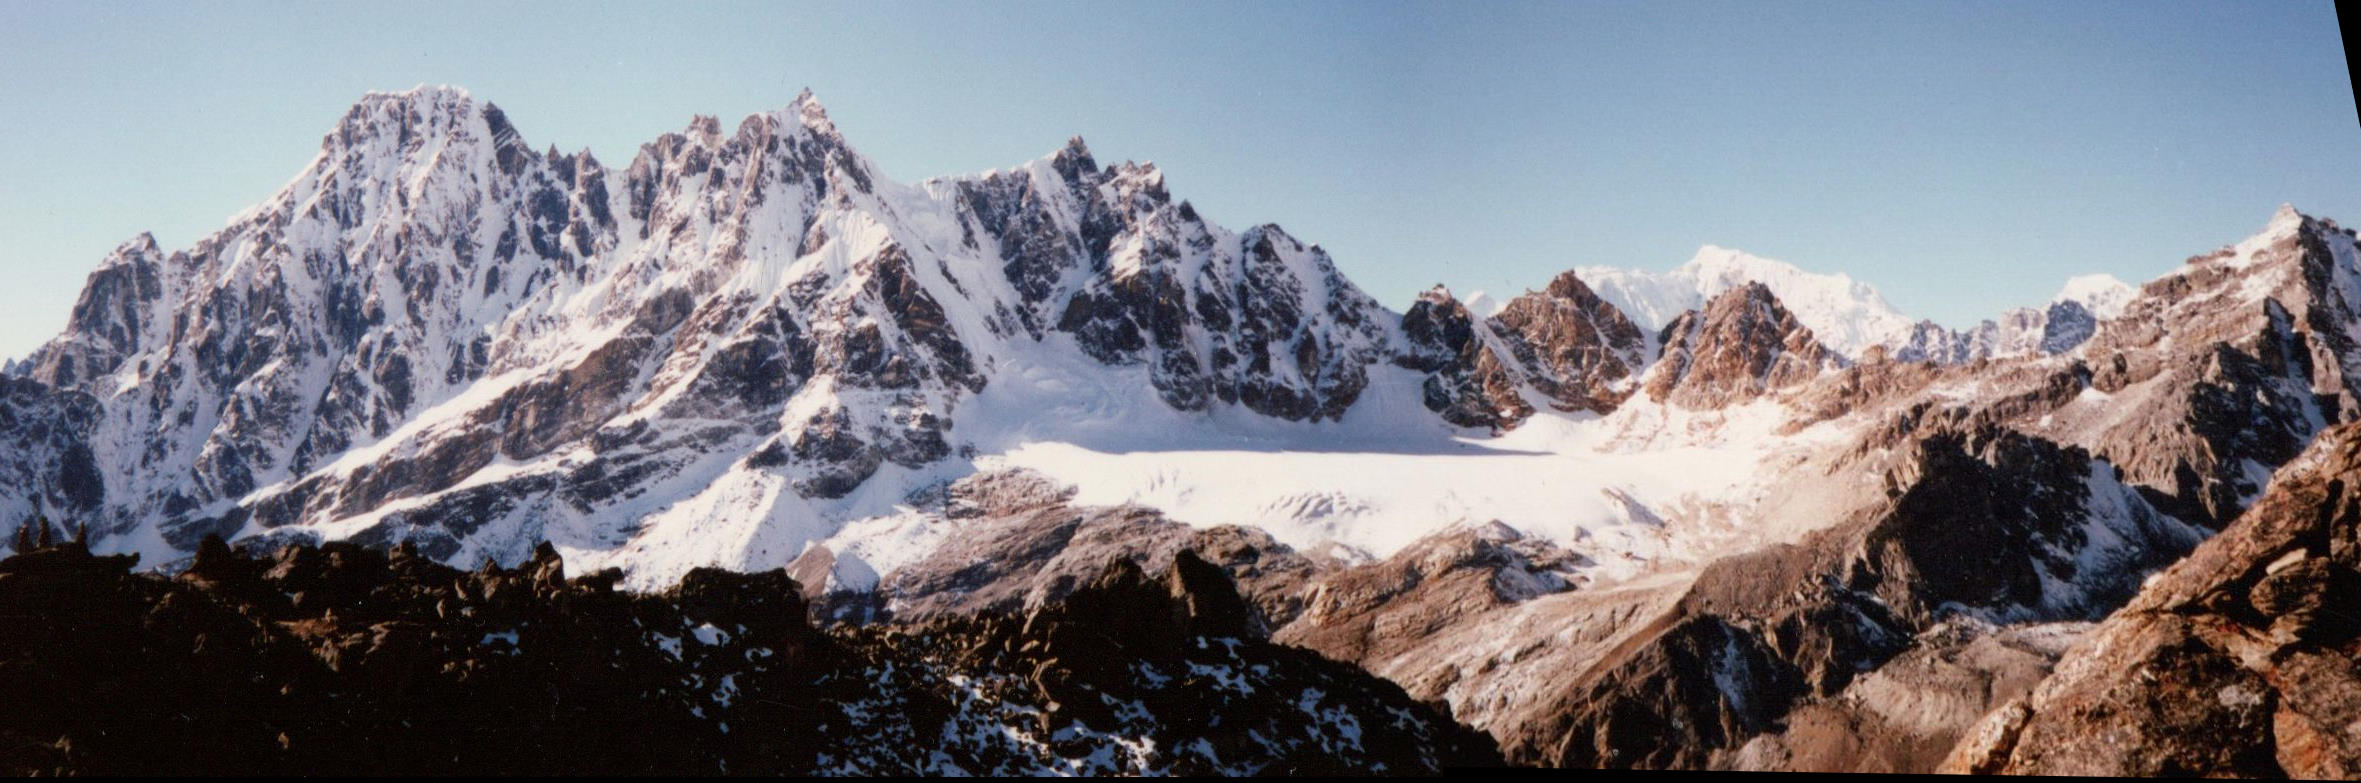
(1741, 346)
(2239, 661)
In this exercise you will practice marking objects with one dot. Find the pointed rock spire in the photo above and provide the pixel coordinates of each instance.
(807, 110)
(1743, 344)
(1073, 161)
(139, 248)
(1574, 347)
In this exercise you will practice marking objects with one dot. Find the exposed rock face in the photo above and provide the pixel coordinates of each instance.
(125, 302)
(1904, 716)
(1469, 383)
(1578, 350)
(1256, 319)
(2066, 326)
(2235, 662)
(1742, 345)
(1021, 545)
(2018, 526)
(2023, 332)
(1688, 671)
(1567, 345)
(342, 658)
(2229, 366)
(1756, 633)
(1928, 341)
(1123, 615)
(50, 464)
(1382, 610)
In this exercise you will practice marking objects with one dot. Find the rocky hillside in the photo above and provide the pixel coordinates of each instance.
(320, 660)
(2241, 661)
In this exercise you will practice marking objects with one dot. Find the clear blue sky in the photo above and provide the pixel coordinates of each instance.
(1963, 156)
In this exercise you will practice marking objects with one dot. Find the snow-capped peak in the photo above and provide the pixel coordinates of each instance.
(426, 103)
(423, 92)
(2285, 220)
(1846, 314)
(2102, 294)
(141, 246)
(1482, 303)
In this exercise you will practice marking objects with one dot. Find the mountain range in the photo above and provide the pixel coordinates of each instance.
(1733, 515)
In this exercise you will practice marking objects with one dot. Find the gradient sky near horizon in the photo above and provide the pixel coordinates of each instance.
(1964, 157)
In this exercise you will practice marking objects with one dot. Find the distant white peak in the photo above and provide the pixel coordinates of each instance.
(1845, 314)
(2102, 294)
(1739, 266)
(1483, 305)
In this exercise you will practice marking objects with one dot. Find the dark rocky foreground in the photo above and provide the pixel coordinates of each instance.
(344, 659)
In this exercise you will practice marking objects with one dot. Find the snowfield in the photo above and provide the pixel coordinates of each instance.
(1645, 488)
(1638, 490)
(1575, 479)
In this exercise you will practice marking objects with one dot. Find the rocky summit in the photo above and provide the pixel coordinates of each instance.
(743, 457)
